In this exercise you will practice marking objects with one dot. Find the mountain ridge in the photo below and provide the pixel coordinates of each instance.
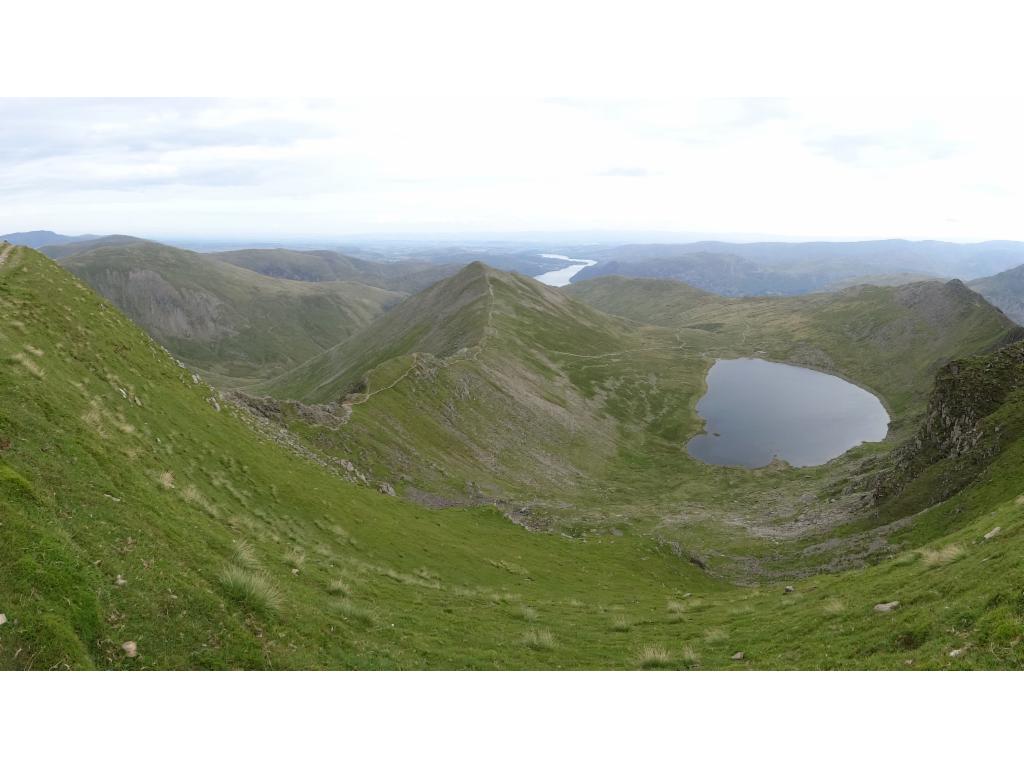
(222, 319)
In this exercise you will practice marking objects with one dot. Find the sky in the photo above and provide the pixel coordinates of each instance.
(794, 119)
(739, 168)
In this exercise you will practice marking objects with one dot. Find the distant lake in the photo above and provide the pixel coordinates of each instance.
(755, 410)
(559, 277)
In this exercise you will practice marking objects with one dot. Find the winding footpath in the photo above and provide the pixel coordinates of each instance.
(4, 251)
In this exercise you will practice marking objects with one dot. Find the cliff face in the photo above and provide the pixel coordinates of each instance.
(970, 418)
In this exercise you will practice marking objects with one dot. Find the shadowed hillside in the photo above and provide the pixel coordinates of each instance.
(227, 321)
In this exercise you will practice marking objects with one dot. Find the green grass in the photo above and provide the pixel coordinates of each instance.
(113, 462)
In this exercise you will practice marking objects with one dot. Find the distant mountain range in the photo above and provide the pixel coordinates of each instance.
(40, 237)
(728, 269)
(757, 269)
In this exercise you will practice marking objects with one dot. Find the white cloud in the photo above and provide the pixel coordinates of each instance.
(311, 168)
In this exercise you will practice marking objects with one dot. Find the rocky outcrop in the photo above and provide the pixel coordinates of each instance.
(957, 430)
(331, 415)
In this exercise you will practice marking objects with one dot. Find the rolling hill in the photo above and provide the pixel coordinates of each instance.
(228, 322)
(146, 526)
(42, 237)
(407, 276)
(67, 249)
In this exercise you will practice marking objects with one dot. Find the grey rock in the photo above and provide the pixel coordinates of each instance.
(887, 607)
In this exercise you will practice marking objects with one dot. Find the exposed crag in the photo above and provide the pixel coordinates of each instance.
(958, 436)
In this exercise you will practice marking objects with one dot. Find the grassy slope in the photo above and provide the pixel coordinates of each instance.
(227, 321)
(158, 487)
(320, 266)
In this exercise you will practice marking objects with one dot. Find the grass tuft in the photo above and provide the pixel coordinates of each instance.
(689, 656)
(526, 613)
(539, 640)
(245, 555)
(944, 556)
(653, 657)
(715, 635)
(295, 558)
(833, 606)
(252, 590)
(622, 624)
(355, 613)
(339, 587)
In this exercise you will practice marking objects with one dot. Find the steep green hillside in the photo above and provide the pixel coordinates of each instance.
(1005, 290)
(144, 528)
(408, 276)
(228, 322)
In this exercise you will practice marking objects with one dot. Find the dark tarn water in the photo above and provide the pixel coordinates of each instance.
(755, 411)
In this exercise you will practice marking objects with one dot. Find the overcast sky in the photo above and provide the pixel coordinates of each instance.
(310, 169)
